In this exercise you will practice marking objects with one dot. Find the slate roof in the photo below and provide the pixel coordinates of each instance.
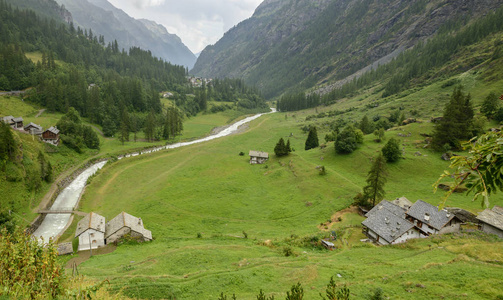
(492, 217)
(91, 221)
(387, 225)
(259, 154)
(38, 127)
(53, 130)
(126, 220)
(437, 219)
(18, 119)
(395, 209)
(8, 119)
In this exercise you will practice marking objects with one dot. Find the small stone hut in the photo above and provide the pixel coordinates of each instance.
(258, 157)
(491, 221)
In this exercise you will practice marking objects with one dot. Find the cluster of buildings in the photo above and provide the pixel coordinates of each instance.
(393, 222)
(50, 135)
(93, 232)
(198, 81)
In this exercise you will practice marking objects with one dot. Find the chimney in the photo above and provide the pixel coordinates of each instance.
(426, 216)
(386, 220)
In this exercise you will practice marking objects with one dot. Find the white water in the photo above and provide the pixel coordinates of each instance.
(54, 224)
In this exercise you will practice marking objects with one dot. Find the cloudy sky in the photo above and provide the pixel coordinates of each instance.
(197, 22)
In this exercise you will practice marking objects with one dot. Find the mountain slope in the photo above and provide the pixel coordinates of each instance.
(105, 19)
(296, 45)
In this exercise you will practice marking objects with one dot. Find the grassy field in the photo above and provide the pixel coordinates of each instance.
(208, 190)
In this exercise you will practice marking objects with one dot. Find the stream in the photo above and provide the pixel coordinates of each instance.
(54, 224)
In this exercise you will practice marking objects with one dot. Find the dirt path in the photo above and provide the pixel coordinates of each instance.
(335, 217)
(40, 112)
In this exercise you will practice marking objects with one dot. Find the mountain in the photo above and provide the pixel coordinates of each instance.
(114, 24)
(45, 8)
(294, 45)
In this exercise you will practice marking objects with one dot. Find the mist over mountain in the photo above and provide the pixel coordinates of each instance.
(294, 45)
(114, 24)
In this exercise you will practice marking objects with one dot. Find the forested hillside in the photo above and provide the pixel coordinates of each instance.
(297, 45)
(114, 24)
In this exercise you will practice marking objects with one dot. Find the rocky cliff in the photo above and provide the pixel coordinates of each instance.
(290, 45)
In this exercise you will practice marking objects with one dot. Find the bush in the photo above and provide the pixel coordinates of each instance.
(391, 151)
(346, 141)
(13, 173)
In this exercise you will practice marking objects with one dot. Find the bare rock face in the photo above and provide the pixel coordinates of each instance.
(290, 44)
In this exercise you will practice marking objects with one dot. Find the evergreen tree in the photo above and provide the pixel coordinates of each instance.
(457, 122)
(7, 144)
(281, 149)
(391, 150)
(490, 105)
(288, 147)
(150, 127)
(366, 126)
(376, 179)
(312, 139)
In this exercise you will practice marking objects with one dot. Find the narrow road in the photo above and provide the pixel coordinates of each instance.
(40, 112)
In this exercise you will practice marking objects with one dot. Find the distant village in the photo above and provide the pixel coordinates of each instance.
(50, 135)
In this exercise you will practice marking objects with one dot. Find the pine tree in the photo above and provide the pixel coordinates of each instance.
(365, 126)
(457, 122)
(281, 149)
(288, 147)
(376, 179)
(312, 139)
(150, 127)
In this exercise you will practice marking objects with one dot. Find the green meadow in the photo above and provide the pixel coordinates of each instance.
(223, 225)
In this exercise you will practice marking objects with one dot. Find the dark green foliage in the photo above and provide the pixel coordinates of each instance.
(366, 126)
(262, 296)
(150, 127)
(312, 139)
(379, 134)
(376, 179)
(332, 293)
(8, 145)
(45, 167)
(281, 149)
(391, 150)
(378, 294)
(331, 137)
(347, 141)
(76, 135)
(457, 122)
(293, 102)
(490, 105)
(295, 293)
(498, 116)
(7, 221)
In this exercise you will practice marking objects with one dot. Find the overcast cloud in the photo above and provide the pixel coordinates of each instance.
(197, 22)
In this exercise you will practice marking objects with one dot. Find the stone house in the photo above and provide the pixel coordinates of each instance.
(397, 221)
(18, 123)
(257, 157)
(51, 136)
(491, 221)
(123, 224)
(33, 129)
(9, 120)
(386, 224)
(91, 232)
(429, 220)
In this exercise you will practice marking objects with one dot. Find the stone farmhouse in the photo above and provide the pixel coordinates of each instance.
(389, 223)
(491, 221)
(257, 157)
(123, 224)
(91, 232)
(33, 129)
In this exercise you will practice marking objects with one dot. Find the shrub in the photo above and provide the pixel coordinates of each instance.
(391, 151)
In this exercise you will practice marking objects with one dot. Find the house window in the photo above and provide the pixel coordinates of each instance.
(92, 234)
(94, 241)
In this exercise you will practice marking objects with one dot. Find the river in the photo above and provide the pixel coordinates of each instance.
(54, 224)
